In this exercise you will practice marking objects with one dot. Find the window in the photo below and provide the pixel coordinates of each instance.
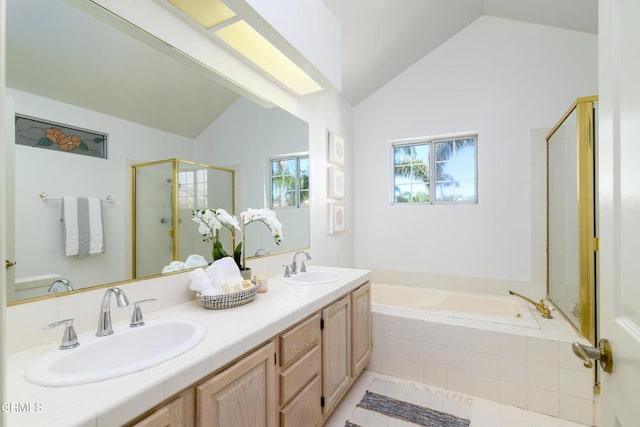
(192, 189)
(290, 182)
(439, 170)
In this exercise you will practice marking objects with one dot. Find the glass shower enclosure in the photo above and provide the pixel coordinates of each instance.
(165, 193)
(572, 241)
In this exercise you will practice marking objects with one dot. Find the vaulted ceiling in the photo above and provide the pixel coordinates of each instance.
(382, 38)
(68, 53)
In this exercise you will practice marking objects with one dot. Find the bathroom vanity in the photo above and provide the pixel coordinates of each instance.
(286, 359)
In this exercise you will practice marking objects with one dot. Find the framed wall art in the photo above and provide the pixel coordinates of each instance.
(336, 149)
(337, 218)
(336, 188)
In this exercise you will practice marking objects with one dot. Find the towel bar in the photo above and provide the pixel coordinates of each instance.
(44, 196)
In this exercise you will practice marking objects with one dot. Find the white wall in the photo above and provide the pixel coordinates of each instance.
(250, 134)
(62, 174)
(501, 79)
(244, 138)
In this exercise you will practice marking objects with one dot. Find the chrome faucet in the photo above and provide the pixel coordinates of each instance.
(262, 252)
(294, 266)
(55, 286)
(104, 321)
(540, 306)
(69, 339)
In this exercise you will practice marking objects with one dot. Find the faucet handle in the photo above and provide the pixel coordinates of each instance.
(136, 316)
(287, 271)
(69, 338)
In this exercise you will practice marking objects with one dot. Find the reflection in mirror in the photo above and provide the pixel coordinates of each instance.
(564, 267)
(168, 191)
(89, 70)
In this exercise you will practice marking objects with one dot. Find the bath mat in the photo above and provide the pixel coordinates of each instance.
(400, 404)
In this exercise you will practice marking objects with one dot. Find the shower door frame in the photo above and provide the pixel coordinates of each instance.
(585, 108)
(175, 232)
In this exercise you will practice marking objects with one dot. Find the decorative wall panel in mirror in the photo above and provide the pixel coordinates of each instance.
(72, 62)
(571, 213)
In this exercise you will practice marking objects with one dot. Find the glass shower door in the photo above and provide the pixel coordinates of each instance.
(153, 225)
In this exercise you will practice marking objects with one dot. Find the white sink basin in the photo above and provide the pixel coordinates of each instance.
(312, 278)
(127, 350)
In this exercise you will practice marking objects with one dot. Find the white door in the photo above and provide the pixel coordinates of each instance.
(619, 207)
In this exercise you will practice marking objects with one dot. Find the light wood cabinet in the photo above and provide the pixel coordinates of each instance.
(300, 382)
(296, 379)
(336, 352)
(177, 412)
(243, 395)
(360, 328)
(304, 409)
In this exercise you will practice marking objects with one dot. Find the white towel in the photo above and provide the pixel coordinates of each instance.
(229, 269)
(215, 274)
(82, 226)
(199, 280)
(195, 260)
(174, 266)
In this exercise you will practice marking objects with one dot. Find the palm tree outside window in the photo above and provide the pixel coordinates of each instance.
(435, 170)
(290, 182)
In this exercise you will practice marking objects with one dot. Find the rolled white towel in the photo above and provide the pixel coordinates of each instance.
(212, 291)
(215, 274)
(174, 266)
(229, 269)
(195, 260)
(199, 280)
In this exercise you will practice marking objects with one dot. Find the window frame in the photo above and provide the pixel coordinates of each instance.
(269, 181)
(431, 143)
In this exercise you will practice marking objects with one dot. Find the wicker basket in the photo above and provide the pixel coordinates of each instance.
(235, 299)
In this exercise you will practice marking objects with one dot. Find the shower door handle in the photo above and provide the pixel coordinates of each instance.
(602, 353)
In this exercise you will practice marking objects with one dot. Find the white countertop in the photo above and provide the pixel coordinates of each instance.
(231, 333)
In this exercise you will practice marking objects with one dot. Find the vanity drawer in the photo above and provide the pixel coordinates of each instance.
(296, 376)
(298, 340)
(305, 409)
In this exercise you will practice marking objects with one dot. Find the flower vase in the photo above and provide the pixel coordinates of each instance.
(245, 273)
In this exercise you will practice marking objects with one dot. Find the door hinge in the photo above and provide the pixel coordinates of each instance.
(322, 401)
(321, 323)
(596, 244)
(275, 360)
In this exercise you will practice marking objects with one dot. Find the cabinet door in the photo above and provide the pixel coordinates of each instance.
(361, 328)
(167, 416)
(243, 395)
(304, 410)
(179, 412)
(336, 352)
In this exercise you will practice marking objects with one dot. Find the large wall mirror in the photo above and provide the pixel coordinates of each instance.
(71, 63)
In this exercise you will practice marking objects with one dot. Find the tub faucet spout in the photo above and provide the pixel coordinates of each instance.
(540, 306)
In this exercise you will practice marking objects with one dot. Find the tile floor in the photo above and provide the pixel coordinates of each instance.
(484, 413)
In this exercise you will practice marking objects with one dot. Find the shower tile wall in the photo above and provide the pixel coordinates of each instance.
(530, 372)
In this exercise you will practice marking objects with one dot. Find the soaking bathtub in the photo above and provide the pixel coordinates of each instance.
(461, 305)
(490, 346)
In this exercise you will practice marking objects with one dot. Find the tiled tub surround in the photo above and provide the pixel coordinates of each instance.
(530, 368)
(231, 333)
